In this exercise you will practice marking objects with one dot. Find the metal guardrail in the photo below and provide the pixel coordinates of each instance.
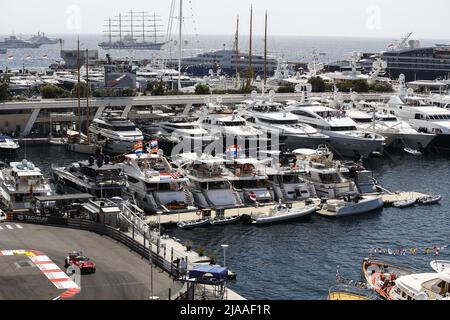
(102, 230)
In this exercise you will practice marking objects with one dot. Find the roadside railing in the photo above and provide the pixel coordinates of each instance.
(103, 230)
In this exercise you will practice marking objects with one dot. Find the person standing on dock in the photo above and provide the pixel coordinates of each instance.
(183, 268)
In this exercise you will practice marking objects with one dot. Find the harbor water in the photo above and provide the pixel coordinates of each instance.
(299, 260)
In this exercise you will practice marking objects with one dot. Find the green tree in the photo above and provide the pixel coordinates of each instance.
(286, 89)
(54, 92)
(158, 89)
(353, 85)
(202, 89)
(4, 88)
(318, 84)
(82, 86)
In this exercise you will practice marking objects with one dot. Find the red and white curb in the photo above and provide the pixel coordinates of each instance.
(53, 273)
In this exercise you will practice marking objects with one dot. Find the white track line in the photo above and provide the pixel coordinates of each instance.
(19, 226)
(9, 227)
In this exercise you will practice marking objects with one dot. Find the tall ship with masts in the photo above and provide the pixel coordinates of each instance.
(133, 31)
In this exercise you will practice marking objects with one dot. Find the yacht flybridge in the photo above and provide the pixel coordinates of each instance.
(119, 133)
(422, 117)
(346, 139)
(274, 118)
(156, 185)
(209, 181)
(20, 182)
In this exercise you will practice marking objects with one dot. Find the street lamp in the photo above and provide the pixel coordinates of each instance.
(225, 247)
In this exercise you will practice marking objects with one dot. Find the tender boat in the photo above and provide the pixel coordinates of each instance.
(351, 205)
(429, 200)
(219, 221)
(405, 203)
(8, 147)
(281, 213)
(347, 292)
(381, 275)
(413, 151)
(193, 224)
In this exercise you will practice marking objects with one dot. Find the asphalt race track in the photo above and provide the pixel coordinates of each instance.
(121, 274)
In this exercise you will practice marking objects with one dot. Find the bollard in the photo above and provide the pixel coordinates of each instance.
(170, 294)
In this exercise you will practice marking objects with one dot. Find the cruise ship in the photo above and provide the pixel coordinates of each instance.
(417, 62)
(14, 43)
(227, 61)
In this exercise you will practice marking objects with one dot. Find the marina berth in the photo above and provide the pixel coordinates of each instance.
(98, 177)
(398, 133)
(209, 181)
(119, 133)
(345, 138)
(156, 185)
(273, 118)
(20, 182)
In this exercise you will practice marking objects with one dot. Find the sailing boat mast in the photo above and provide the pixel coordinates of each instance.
(236, 41)
(180, 45)
(250, 59)
(265, 53)
(88, 92)
(78, 89)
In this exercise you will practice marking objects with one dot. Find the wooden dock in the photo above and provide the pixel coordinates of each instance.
(390, 199)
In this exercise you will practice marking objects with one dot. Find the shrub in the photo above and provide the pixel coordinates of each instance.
(202, 89)
(318, 84)
(200, 251)
(188, 245)
(54, 92)
(286, 89)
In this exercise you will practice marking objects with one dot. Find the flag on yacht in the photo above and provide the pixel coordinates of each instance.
(139, 147)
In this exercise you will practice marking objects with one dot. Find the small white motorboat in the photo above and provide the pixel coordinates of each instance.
(351, 205)
(281, 213)
(193, 224)
(413, 151)
(220, 221)
(430, 200)
(405, 203)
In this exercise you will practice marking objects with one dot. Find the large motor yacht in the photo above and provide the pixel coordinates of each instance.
(272, 117)
(346, 139)
(209, 181)
(97, 177)
(20, 182)
(423, 117)
(398, 133)
(156, 186)
(119, 133)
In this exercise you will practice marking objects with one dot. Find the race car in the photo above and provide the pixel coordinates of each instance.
(79, 260)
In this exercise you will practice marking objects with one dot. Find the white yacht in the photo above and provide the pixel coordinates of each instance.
(326, 174)
(398, 133)
(156, 186)
(95, 176)
(248, 177)
(233, 129)
(269, 116)
(181, 130)
(422, 117)
(209, 181)
(345, 139)
(119, 133)
(20, 183)
(8, 147)
(424, 286)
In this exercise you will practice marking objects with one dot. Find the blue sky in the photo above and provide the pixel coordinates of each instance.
(359, 18)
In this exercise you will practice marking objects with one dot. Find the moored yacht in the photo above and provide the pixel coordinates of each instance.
(8, 147)
(345, 139)
(20, 182)
(119, 133)
(97, 177)
(398, 133)
(423, 117)
(155, 185)
(209, 181)
(272, 117)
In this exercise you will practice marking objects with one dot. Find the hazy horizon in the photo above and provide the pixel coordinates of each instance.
(322, 18)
